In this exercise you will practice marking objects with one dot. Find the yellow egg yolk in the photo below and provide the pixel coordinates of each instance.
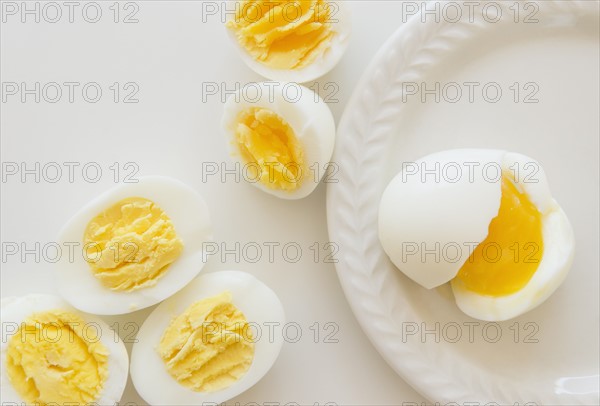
(209, 346)
(54, 358)
(507, 259)
(286, 34)
(131, 244)
(268, 144)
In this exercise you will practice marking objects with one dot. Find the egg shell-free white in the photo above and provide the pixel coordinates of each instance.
(306, 113)
(420, 213)
(190, 217)
(254, 299)
(341, 23)
(551, 272)
(530, 178)
(14, 312)
(555, 263)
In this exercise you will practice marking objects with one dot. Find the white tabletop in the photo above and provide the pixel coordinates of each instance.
(175, 51)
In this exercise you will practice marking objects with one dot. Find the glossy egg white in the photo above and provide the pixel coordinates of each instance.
(341, 24)
(559, 249)
(429, 211)
(190, 216)
(418, 213)
(259, 304)
(305, 112)
(14, 312)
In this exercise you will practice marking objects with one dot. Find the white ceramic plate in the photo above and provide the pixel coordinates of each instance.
(549, 355)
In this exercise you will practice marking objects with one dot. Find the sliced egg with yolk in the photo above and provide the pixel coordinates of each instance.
(53, 354)
(525, 257)
(282, 142)
(502, 240)
(290, 40)
(209, 342)
(133, 246)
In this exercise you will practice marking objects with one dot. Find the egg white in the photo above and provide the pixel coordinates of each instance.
(443, 211)
(309, 117)
(190, 217)
(559, 248)
(414, 211)
(17, 309)
(341, 24)
(258, 303)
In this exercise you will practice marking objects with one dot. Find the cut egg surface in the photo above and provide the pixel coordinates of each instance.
(209, 342)
(290, 40)
(54, 354)
(282, 140)
(483, 220)
(134, 246)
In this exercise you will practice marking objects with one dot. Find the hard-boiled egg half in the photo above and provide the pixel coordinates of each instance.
(133, 246)
(54, 355)
(281, 135)
(208, 343)
(484, 220)
(290, 40)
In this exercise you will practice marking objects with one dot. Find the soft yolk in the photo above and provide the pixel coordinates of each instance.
(286, 34)
(53, 359)
(269, 145)
(209, 346)
(507, 259)
(131, 244)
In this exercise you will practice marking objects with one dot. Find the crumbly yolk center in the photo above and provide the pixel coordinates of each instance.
(209, 346)
(269, 146)
(53, 358)
(287, 34)
(131, 244)
(507, 259)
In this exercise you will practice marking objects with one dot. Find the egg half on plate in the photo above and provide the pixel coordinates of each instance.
(485, 221)
(290, 40)
(209, 342)
(134, 246)
(54, 354)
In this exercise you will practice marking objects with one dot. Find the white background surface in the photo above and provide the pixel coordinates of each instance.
(169, 53)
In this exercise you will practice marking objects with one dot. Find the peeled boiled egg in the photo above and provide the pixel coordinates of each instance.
(54, 355)
(133, 246)
(485, 221)
(208, 343)
(281, 135)
(290, 40)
